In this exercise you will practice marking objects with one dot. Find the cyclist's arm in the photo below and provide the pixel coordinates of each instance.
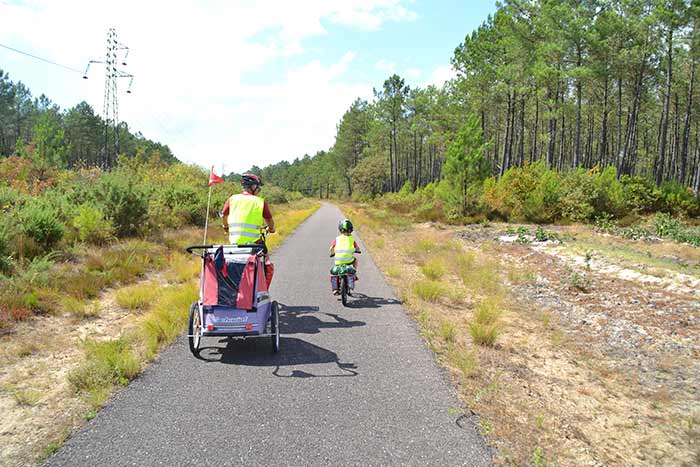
(267, 216)
(224, 216)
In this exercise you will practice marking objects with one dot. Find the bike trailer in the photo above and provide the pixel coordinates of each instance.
(234, 297)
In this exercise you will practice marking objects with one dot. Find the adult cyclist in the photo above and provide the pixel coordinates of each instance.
(245, 214)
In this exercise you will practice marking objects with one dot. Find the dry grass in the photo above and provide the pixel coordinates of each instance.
(80, 308)
(137, 297)
(429, 291)
(182, 268)
(544, 394)
(434, 269)
(27, 397)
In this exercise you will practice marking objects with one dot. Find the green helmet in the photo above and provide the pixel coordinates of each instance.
(345, 226)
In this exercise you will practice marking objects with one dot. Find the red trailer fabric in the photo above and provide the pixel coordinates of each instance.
(246, 288)
(211, 284)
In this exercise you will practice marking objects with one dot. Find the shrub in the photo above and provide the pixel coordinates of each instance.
(92, 226)
(5, 260)
(125, 204)
(641, 194)
(679, 199)
(579, 196)
(107, 363)
(40, 223)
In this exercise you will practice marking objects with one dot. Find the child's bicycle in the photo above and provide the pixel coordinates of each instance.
(343, 280)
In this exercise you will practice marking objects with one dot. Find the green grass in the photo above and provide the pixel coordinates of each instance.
(183, 268)
(481, 278)
(137, 297)
(433, 269)
(448, 331)
(78, 308)
(520, 275)
(464, 360)
(485, 328)
(429, 291)
(394, 272)
(106, 363)
(168, 317)
(538, 458)
(27, 397)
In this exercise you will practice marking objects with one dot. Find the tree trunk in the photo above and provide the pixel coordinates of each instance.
(577, 144)
(625, 154)
(664, 118)
(506, 138)
(603, 155)
(521, 141)
(686, 125)
(535, 129)
(560, 163)
(618, 148)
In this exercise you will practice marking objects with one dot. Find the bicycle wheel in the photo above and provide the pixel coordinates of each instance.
(344, 290)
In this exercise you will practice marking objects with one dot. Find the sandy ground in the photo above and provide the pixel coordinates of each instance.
(597, 362)
(34, 362)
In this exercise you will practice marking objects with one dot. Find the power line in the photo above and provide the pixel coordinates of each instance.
(39, 58)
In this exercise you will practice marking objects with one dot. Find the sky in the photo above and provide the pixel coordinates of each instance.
(235, 83)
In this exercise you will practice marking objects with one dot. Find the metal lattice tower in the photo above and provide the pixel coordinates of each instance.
(110, 107)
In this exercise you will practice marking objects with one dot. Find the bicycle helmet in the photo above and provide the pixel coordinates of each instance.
(345, 226)
(248, 180)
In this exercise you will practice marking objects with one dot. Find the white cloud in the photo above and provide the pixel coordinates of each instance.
(414, 73)
(440, 75)
(385, 66)
(191, 59)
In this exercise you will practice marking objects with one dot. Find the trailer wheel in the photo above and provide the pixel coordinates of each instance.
(194, 330)
(275, 327)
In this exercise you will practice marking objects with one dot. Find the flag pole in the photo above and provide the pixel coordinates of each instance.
(206, 222)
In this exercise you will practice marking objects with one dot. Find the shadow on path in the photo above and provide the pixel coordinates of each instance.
(293, 351)
(307, 320)
(360, 300)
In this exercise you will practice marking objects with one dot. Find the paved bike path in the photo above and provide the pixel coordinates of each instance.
(351, 386)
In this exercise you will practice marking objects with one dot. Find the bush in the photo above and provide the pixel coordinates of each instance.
(579, 196)
(5, 260)
(641, 194)
(274, 195)
(125, 204)
(40, 223)
(92, 226)
(680, 200)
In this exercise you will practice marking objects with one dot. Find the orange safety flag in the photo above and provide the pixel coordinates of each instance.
(213, 178)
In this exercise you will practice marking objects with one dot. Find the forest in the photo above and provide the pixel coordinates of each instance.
(36, 128)
(594, 99)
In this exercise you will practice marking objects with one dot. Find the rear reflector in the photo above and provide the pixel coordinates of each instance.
(249, 327)
(210, 327)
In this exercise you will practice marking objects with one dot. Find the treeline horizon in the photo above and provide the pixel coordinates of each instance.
(572, 84)
(37, 128)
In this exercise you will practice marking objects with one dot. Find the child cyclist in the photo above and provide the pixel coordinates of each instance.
(344, 248)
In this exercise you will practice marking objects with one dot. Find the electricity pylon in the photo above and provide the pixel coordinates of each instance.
(110, 107)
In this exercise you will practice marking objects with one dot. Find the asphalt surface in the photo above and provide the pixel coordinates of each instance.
(351, 386)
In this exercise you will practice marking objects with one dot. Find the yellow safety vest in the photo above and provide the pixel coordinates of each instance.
(245, 218)
(344, 249)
